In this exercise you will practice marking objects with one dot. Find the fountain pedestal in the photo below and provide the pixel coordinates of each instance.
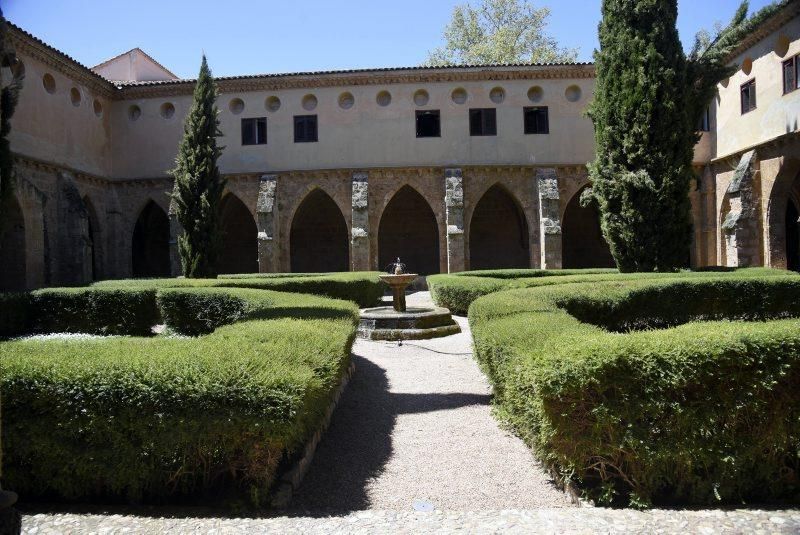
(400, 323)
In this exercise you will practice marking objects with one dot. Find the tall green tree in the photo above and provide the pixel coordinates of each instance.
(198, 185)
(499, 31)
(10, 88)
(648, 100)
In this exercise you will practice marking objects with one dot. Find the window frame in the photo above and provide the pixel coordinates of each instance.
(422, 113)
(306, 119)
(751, 96)
(795, 61)
(488, 128)
(255, 122)
(528, 109)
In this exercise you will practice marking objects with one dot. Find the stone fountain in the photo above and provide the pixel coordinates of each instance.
(399, 322)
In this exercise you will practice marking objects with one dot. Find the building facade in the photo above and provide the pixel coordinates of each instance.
(448, 168)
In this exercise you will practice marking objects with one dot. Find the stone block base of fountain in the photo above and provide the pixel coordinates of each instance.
(415, 323)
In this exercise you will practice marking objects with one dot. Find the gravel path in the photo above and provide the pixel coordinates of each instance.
(414, 427)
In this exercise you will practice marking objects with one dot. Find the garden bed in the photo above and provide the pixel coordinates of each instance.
(138, 417)
(671, 390)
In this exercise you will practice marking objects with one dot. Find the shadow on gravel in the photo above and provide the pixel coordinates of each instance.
(358, 443)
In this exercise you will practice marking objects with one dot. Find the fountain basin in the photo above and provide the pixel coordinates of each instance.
(398, 283)
(415, 323)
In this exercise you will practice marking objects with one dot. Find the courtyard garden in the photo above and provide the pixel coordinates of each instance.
(645, 388)
(175, 390)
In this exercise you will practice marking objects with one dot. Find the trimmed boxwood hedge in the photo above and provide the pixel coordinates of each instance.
(457, 291)
(363, 287)
(165, 418)
(653, 391)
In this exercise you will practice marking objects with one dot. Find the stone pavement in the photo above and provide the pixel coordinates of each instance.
(414, 430)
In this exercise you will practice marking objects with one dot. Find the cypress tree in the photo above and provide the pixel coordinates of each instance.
(640, 177)
(649, 99)
(198, 184)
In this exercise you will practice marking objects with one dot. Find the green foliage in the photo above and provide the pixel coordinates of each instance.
(165, 419)
(700, 413)
(9, 95)
(364, 288)
(458, 291)
(648, 100)
(499, 31)
(198, 184)
(15, 314)
(644, 136)
(95, 311)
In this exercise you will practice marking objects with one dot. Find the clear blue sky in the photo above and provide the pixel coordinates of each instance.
(267, 36)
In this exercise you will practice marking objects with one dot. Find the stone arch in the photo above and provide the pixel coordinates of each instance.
(408, 229)
(318, 239)
(150, 247)
(498, 232)
(784, 196)
(95, 239)
(583, 245)
(13, 251)
(239, 251)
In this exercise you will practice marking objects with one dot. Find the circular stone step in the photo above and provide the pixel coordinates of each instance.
(416, 323)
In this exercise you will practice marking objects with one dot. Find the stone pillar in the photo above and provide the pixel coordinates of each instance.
(267, 222)
(549, 219)
(74, 252)
(454, 216)
(359, 235)
(741, 226)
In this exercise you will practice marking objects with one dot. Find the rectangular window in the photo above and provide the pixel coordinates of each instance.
(791, 80)
(483, 122)
(305, 128)
(536, 121)
(748, 96)
(428, 124)
(254, 131)
(704, 125)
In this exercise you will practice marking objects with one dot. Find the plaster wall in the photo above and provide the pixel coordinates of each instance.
(366, 134)
(50, 127)
(776, 114)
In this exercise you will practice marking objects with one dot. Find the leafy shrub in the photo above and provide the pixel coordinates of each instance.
(171, 419)
(15, 314)
(363, 288)
(97, 311)
(701, 413)
(458, 291)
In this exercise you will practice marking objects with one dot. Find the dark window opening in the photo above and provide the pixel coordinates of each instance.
(536, 121)
(254, 131)
(748, 96)
(428, 123)
(305, 128)
(791, 80)
(483, 122)
(704, 124)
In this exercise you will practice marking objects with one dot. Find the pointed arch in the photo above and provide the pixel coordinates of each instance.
(498, 232)
(318, 240)
(583, 245)
(239, 252)
(150, 244)
(784, 198)
(13, 247)
(408, 229)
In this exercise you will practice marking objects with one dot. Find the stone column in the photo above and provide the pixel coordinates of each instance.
(267, 222)
(359, 235)
(741, 226)
(549, 219)
(454, 216)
